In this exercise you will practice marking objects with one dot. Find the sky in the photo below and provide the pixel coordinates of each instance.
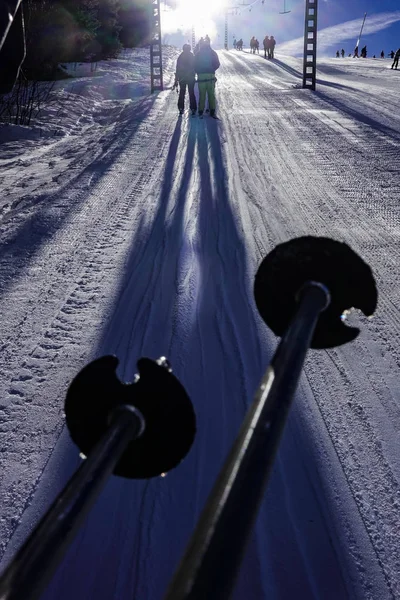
(339, 23)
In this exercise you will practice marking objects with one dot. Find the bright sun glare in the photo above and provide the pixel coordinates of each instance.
(192, 13)
(196, 9)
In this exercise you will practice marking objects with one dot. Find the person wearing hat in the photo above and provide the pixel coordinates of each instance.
(206, 62)
(185, 76)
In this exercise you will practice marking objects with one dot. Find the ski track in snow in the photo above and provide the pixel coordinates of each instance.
(151, 249)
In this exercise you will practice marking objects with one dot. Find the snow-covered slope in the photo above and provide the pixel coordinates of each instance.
(137, 233)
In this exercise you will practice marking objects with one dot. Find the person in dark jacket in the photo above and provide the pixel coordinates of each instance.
(206, 62)
(396, 59)
(185, 76)
(272, 44)
(266, 45)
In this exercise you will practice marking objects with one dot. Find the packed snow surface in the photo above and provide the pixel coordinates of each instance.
(127, 230)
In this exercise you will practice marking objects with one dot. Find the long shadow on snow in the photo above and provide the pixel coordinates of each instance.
(360, 116)
(281, 556)
(129, 505)
(187, 293)
(286, 68)
(19, 249)
(152, 317)
(299, 75)
(336, 86)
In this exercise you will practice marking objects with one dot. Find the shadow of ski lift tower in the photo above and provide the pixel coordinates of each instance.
(232, 10)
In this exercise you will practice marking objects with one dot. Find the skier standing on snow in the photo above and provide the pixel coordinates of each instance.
(266, 45)
(342, 52)
(206, 62)
(396, 60)
(185, 75)
(272, 44)
(198, 45)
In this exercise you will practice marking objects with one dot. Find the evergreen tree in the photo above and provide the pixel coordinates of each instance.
(107, 35)
(134, 20)
(57, 31)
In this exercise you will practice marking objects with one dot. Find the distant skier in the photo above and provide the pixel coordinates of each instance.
(396, 60)
(337, 54)
(342, 52)
(392, 54)
(272, 44)
(266, 45)
(257, 46)
(383, 54)
(198, 45)
(364, 52)
(355, 52)
(234, 43)
(206, 62)
(185, 76)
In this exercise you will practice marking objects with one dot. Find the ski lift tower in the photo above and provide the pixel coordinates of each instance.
(310, 45)
(232, 10)
(156, 70)
(193, 38)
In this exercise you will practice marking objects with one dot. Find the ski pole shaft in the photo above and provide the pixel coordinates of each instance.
(34, 564)
(210, 564)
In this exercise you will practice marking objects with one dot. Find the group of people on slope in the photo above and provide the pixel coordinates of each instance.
(238, 45)
(342, 53)
(392, 54)
(254, 46)
(204, 62)
(363, 53)
(269, 44)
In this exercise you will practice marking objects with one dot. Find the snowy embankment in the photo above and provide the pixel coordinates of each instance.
(127, 230)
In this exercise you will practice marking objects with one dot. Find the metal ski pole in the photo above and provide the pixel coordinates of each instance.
(301, 289)
(136, 431)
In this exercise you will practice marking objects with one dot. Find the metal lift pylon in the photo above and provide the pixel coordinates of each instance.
(310, 45)
(156, 70)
